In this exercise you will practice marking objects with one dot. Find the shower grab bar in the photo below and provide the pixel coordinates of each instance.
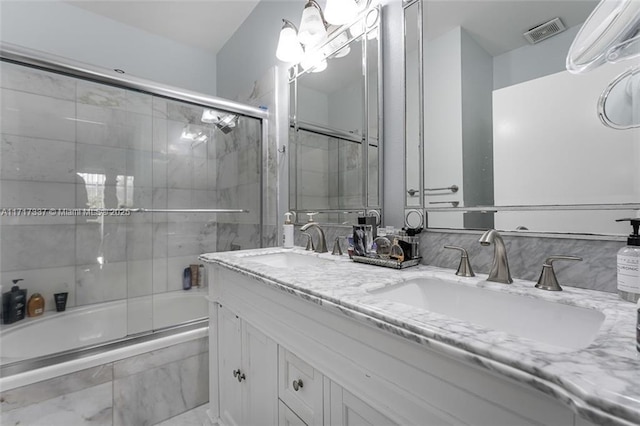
(452, 188)
(453, 203)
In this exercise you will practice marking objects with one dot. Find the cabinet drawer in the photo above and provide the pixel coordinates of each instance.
(300, 387)
(286, 417)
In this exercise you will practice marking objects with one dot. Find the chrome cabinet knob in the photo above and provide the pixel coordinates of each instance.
(297, 384)
(239, 375)
(548, 280)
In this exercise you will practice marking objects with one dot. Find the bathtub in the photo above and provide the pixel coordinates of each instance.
(79, 337)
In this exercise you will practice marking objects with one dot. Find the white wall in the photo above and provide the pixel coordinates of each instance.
(477, 134)
(61, 29)
(443, 124)
(548, 146)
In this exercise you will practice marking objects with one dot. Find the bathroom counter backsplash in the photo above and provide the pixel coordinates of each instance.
(601, 381)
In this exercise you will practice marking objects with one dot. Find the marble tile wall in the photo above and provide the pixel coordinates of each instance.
(328, 171)
(142, 390)
(243, 160)
(526, 254)
(70, 143)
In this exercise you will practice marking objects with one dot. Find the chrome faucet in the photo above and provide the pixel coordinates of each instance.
(500, 268)
(321, 247)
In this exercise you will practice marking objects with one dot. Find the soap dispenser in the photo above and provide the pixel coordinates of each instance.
(287, 231)
(14, 304)
(629, 264)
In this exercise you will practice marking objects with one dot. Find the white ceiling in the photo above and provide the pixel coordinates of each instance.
(206, 24)
(497, 25)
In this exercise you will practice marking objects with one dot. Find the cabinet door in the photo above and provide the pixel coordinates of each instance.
(348, 410)
(260, 362)
(229, 361)
(286, 417)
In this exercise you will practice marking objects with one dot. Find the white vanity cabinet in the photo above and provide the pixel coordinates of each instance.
(286, 416)
(347, 369)
(348, 410)
(247, 361)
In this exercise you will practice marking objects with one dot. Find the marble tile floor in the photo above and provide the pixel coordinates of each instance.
(194, 417)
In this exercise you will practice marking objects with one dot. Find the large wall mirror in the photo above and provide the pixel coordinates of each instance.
(511, 139)
(334, 136)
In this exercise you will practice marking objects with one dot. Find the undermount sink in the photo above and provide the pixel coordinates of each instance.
(289, 260)
(547, 322)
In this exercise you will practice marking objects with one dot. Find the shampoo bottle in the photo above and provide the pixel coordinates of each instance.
(629, 264)
(287, 232)
(35, 306)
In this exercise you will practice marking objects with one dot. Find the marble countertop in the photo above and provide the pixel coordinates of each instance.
(601, 382)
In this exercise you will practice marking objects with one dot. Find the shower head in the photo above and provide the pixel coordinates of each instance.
(225, 122)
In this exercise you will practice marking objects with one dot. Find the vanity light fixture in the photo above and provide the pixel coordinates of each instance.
(340, 12)
(312, 27)
(313, 32)
(289, 48)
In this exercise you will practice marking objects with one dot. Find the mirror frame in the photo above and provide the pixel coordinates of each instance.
(410, 210)
(296, 72)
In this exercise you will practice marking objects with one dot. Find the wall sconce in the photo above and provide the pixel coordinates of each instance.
(312, 27)
(314, 61)
(313, 32)
(289, 48)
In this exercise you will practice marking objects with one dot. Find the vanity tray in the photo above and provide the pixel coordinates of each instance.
(387, 263)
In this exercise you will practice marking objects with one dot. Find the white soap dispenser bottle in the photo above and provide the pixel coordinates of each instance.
(629, 264)
(287, 231)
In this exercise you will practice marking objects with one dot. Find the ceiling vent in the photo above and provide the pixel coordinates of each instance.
(544, 31)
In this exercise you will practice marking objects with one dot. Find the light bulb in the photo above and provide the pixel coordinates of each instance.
(339, 12)
(289, 49)
(312, 30)
(314, 59)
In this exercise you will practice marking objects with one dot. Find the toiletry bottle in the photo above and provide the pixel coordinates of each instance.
(638, 328)
(629, 264)
(195, 276)
(201, 278)
(35, 306)
(14, 304)
(186, 278)
(287, 232)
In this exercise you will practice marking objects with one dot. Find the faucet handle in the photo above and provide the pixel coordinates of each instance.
(548, 280)
(310, 246)
(337, 250)
(464, 268)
